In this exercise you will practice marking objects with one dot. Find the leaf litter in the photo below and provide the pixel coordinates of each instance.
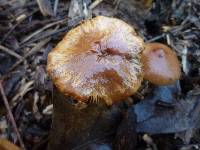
(30, 29)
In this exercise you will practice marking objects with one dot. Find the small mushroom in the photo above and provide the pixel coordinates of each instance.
(99, 61)
(160, 63)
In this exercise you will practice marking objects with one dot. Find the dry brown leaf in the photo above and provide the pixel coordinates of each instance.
(7, 145)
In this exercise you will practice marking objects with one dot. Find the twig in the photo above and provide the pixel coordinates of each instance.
(55, 7)
(184, 60)
(9, 32)
(86, 12)
(12, 120)
(95, 4)
(155, 38)
(32, 51)
(16, 7)
(11, 52)
(45, 7)
(46, 36)
(116, 3)
(42, 29)
(168, 39)
(14, 27)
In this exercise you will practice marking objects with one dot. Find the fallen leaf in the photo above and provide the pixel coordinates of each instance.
(154, 119)
(6, 145)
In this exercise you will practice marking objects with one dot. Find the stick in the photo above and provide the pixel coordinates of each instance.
(33, 50)
(12, 120)
(95, 3)
(10, 52)
(55, 7)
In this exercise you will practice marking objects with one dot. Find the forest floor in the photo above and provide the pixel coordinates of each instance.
(30, 29)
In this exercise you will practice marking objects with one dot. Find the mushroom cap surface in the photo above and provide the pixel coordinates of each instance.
(160, 63)
(98, 60)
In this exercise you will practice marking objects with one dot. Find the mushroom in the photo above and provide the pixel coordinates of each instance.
(160, 63)
(98, 63)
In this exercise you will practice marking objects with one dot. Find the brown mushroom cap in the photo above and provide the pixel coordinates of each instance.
(98, 60)
(161, 65)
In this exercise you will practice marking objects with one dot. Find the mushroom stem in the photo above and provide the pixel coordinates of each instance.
(76, 128)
